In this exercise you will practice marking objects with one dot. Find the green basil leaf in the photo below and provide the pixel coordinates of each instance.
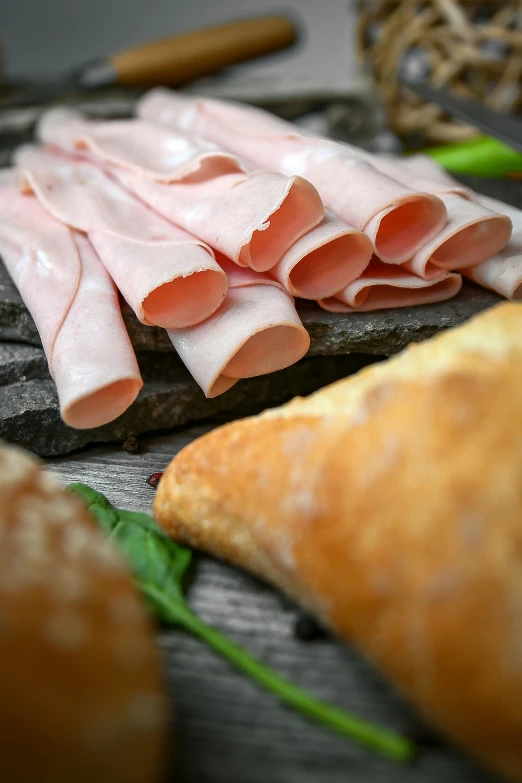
(158, 564)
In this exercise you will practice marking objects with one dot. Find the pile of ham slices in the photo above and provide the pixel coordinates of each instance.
(209, 218)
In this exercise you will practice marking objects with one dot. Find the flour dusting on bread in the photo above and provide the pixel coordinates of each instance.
(389, 504)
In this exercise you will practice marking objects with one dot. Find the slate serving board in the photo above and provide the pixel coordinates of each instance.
(29, 412)
(340, 345)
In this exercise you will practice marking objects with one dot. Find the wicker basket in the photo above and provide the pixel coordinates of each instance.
(474, 48)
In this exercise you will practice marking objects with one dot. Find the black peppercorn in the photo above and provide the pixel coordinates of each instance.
(307, 630)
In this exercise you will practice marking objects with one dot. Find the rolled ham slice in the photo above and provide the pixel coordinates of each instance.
(502, 270)
(75, 307)
(423, 165)
(137, 145)
(324, 260)
(252, 218)
(473, 233)
(255, 331)
(167, 276)
(398, 219)
(422, 176)
(383, 286)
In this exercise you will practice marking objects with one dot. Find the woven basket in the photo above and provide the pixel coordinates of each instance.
(474, 48)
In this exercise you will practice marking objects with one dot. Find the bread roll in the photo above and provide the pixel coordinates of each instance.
(80, 691)
(390, 504)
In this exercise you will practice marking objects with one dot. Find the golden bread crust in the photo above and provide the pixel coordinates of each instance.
(391, 504)
(81, 690)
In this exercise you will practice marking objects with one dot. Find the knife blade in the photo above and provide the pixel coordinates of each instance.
(503, 127)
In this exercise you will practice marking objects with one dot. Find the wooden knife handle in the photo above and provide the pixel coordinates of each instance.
(185, 57)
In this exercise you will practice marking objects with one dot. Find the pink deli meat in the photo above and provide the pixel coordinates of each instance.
(136, 145)
(502, 270)
(255, 331)
(253, 218)
(383, 286)
(167, 276)
(324, 260)
(472, 233)
(398, 219)
(75, 307)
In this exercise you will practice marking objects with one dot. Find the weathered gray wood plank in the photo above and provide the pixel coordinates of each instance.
(226, 730)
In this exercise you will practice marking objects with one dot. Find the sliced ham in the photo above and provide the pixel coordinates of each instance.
(325, 260)
(423, 165)
(255, 331)
(136, 145)
(167, 276)
(383, 286)
(473, 233)
(75, 307)
(423, 176)
(398, 219)
(251, 217)
(502, 269)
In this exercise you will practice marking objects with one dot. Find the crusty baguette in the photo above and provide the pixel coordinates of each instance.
(80, 691)
(390, 503)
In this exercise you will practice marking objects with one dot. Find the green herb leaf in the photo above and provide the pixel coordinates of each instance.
(160, 566)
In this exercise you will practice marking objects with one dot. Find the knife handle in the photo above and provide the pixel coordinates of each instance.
(181, 58)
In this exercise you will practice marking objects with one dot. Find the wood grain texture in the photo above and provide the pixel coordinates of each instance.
(225, 729)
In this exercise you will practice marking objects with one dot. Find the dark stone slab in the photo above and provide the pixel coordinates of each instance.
(16, 324)
(387, 331)
(28, 406)
(29, 413)
(383, 333)
(21, 363)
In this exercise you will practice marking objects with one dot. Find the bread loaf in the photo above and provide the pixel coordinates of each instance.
(80, 690)
(390, 504)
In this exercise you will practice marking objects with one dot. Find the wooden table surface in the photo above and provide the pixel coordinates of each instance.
(225, 728)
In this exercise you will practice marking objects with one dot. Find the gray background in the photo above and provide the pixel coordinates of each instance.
(42, 37)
